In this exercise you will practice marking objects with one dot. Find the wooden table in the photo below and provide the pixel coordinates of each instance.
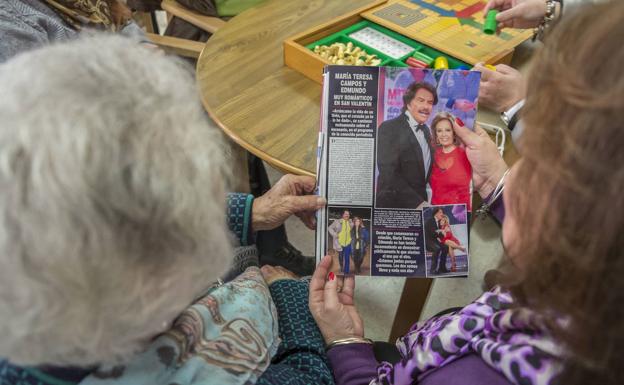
(267, 108)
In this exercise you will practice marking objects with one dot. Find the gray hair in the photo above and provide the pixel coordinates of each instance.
(112, 206)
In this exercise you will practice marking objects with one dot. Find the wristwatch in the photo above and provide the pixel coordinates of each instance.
(511, 116)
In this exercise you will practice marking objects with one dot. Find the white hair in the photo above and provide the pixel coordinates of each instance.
(112, 205)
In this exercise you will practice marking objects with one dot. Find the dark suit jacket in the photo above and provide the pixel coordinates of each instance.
(431, 237)
(402, 181)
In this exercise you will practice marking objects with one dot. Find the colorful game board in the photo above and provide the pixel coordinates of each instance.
(451, 26)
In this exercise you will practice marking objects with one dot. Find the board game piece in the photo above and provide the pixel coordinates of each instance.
(346, 54)
(383, 43)
(413, 62)
(490, 22)
(422, 57)
(490, 67)
(463, 67)
(441, 63)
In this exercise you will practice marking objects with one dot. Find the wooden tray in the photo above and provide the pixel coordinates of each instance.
(432, 31)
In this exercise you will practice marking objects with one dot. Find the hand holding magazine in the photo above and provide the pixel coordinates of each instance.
(395, 175)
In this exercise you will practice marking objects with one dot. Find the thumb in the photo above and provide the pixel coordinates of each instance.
(295, 204)
(510, 14)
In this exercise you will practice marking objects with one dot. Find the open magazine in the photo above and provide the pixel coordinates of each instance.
(395, 175)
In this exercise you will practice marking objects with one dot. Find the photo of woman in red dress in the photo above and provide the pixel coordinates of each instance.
(451, 172)
(449, 239)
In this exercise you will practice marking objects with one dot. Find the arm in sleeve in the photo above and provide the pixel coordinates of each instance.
(301, 357)
(16, 37)
(365, 238)
(497, 208)
(333, 231)
(239, 212)
(353, 364)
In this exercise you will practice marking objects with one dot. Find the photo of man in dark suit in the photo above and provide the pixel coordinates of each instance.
(433, 235)
(404, 151)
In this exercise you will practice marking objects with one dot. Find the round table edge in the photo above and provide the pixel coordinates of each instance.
(279, 164)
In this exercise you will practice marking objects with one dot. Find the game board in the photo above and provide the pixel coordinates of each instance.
(451, 26)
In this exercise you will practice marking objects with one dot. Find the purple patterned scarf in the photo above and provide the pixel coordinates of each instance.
(513, 341)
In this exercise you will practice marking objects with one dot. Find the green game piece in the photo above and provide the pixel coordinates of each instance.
(489, 27)
(422, 57)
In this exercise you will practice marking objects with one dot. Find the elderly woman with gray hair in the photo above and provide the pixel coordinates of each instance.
(113, 228)
(30, 24)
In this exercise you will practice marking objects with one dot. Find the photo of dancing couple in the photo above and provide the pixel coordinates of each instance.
(349, 235)
(420, 160)
(446, 240)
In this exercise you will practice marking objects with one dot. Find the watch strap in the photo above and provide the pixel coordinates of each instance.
(514, 119)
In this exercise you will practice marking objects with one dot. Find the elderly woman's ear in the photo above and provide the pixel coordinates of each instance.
(290, 195)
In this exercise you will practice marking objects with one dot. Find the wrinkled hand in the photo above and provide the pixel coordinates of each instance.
(289, 196)
(487, 164)
(275, 273)
(501, 89)
(517, 13)
(334, 313)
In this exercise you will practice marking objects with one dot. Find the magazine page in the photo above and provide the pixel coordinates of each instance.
(395, 175)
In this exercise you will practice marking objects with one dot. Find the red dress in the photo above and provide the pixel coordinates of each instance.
(448, 235)
(450, 178)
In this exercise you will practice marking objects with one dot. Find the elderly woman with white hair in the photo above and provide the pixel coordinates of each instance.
(31, 24)
(113, 229)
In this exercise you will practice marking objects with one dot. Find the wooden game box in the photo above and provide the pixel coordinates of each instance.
(449, 28)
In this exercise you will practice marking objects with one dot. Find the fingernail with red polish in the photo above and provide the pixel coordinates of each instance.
(459, 121)
(331, 276)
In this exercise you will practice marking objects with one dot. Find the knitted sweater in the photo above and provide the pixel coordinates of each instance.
(29, 24)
